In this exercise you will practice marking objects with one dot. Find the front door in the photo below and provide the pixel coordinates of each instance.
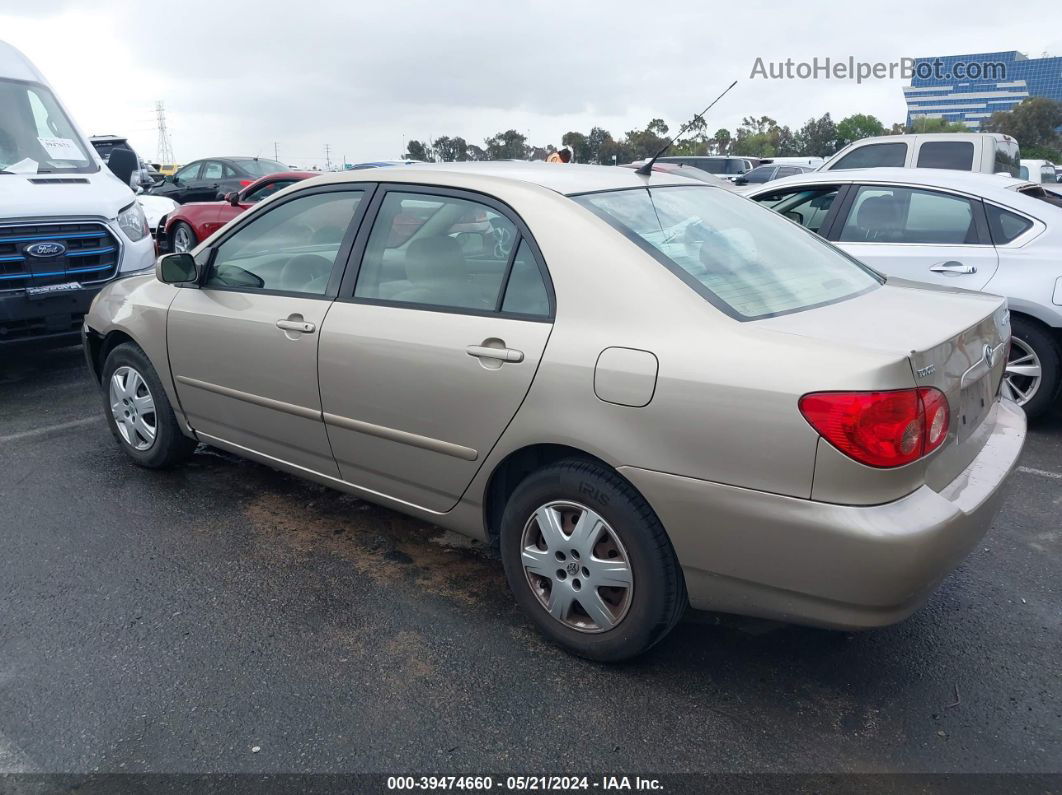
(243, 345)
(430, 354)
(919, 234)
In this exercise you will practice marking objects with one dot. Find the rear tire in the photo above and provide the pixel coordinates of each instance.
(139, 412)
(553, 573)
(1033, 346)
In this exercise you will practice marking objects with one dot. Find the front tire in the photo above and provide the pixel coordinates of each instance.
(589, 562)
(139, 413)
(1033, 368)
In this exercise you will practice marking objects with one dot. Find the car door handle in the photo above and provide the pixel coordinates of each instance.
(301, 326)
(501, 354)
(952, 266)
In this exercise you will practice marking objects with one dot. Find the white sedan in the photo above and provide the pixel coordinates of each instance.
(981, 232)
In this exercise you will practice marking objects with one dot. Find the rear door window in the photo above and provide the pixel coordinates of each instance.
(957, 155)
(909, 215)
(874, 156)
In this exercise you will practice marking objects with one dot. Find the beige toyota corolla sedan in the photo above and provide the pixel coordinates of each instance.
(650, 392)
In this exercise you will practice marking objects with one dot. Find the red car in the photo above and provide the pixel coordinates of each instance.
(185, 227)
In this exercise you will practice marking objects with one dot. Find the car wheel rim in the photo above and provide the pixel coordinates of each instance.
(182, 240)
(1022, 376)
(577, 567)
(133, 408)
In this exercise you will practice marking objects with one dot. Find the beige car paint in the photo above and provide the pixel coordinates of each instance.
(720, 451)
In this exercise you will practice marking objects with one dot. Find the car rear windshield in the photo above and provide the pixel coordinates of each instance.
(745, 259)
(259, 167)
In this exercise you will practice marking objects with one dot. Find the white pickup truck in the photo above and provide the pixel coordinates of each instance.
(988, 153)
(68, 225)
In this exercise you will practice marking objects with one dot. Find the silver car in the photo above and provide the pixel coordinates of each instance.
(956, 229)
(650, 392)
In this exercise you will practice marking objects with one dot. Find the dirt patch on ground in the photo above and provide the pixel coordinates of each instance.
(383, 545)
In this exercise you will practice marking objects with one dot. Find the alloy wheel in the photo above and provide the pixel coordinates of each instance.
(133, 408)
(1023, 373)
(182, 239)
(577, 567)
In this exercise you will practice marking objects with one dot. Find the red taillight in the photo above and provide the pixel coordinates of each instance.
(880, 429)
(245, 182)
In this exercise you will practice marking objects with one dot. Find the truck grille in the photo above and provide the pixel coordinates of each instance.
(90, 253)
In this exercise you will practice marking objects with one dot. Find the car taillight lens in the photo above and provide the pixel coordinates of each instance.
(880, 429)
(245, 182)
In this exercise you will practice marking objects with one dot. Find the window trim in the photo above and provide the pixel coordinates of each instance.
(357, 253)
(265, 206)
(984, 239)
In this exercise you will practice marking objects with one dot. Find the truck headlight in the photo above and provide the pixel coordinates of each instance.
(133, 222)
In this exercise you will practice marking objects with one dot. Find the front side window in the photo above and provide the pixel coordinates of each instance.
(874, 156)
(747, 261)
(957, 155)
(291, 248)
(439, 251)
(36, 137)
(909, 215)
(268, 189)
(188, 173)
(759, 174)
(808, 206)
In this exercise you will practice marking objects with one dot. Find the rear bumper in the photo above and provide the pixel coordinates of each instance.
(55, 320)
(784, 558)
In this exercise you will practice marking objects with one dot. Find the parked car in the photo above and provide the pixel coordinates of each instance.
(988, 153)
(723, 166)
(836, 445)
(192, 222)
(682, 170)
(973, 231)
(213, 178)
(156, 208)
(68, 224)
(144, 177)
(769, 172)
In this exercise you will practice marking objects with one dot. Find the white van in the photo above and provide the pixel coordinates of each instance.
(68, 225)
(988, 153)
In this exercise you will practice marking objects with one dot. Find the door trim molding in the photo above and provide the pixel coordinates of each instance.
(248, 397)
(403, 437)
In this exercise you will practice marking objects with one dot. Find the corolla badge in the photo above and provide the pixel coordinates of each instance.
(48, 249)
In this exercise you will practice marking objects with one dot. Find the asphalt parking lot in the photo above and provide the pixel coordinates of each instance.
(176, 621)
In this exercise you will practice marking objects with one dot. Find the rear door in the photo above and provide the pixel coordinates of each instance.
(243, 345)
(917, 233)
(433, 343)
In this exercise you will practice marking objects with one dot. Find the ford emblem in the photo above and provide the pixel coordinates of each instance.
(48, 249)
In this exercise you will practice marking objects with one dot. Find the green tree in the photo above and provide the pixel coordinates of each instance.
(579, 145)
(721, 141)
(819, 136)
(473, 152)
(657, 127)
(598, 139)
(1033, 122)
(857, 126)
(643, 143)
(449, 150)
(418, 150)
(508, 145)
(935, 124)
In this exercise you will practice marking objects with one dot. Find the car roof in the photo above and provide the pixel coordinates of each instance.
(566, 178)
(965, 181)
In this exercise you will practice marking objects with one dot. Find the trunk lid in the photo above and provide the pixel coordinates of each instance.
(954, 339)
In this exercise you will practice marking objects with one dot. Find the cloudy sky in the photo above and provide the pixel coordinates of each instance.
(238, 77)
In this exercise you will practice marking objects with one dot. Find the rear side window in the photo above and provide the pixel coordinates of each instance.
(526, 292)
(908, 215)
(807, 206)
(1005, 226)
(746, 261)
(957, 155)
(438, 251)
(874, 156)
(1007, 158)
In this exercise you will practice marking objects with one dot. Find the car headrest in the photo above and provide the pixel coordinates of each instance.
(433, 258)
(879, 212)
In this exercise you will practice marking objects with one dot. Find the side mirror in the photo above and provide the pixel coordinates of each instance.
(740, 181)
(123, 163)
(178, 268)
(172, 179)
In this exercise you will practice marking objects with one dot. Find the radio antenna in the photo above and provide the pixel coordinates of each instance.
(647, 168)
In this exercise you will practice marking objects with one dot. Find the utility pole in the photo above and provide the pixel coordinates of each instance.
(328, 157)
(276, 151)
(164, 149)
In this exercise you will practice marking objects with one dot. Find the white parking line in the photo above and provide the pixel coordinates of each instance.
(62, 426)
(1041, 472)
